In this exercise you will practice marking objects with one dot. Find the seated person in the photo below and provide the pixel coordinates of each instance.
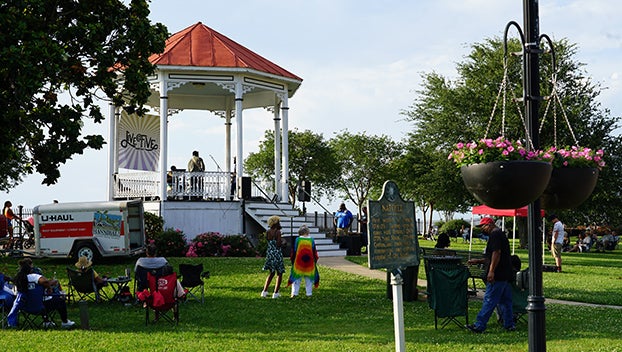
(83, 264)
(153, 262)
(7, 292)
(583, 244)
(610, 241)
(442, 241)
(26, 277)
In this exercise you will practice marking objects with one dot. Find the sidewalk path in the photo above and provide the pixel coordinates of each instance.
(340, 263)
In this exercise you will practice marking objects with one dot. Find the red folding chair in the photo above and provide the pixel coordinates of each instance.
(162, 298)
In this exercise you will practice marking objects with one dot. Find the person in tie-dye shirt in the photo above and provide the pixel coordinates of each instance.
(304, 263)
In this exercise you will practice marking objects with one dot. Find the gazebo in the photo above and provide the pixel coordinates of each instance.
(200, 69)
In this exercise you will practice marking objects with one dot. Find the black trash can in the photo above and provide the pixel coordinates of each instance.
(352, 243)
(410, 275)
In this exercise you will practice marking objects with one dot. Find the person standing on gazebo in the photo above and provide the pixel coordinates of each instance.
(196, 165)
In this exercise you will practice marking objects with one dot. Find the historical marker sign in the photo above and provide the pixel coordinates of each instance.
(393, 241)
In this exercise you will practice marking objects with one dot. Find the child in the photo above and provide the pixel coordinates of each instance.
(304, 263)
(274, 257)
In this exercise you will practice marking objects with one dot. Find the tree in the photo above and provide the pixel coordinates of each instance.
(364, 163)
(56, 58)
(422, 175)
(310, 159)
(446, 112)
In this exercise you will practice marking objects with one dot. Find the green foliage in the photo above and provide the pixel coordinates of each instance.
(453, 225)
(74, 49)
(262, 245)
(310, 159)
(154, 224)
(170, 243)
(365, 162)
(446, 112)
(213, 244)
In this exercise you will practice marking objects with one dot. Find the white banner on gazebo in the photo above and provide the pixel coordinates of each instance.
(138, 142)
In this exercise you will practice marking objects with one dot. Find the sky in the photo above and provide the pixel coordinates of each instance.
(361, 63)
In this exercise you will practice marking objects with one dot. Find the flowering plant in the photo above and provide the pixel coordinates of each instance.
(575, 157)
(487, 150)
(214, 244)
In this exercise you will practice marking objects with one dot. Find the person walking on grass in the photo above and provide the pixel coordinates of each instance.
(274, 257)
(557, 241)
(499, 274)
(304, 263)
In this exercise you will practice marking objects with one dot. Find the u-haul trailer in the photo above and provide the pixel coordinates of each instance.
(91, 229)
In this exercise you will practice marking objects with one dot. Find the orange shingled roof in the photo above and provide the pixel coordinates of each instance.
(201, 46)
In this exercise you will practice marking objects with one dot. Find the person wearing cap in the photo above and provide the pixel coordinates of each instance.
(274, 257)
(498, 278)
(83, 264)
(557, 241)
(343, 220)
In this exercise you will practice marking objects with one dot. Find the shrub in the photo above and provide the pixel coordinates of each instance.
(453, 225)
(170, 243)
(213, 244)
(262, 245)
(154, 224)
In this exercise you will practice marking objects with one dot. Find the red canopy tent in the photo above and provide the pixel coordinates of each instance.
(486, 210)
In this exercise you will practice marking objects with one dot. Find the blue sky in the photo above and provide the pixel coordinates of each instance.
(361, 63)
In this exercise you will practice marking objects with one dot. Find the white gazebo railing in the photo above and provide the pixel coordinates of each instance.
(182, 185)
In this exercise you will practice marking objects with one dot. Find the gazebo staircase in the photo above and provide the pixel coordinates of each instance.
(291, 221)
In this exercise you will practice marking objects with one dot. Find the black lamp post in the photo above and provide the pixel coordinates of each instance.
(531, 85)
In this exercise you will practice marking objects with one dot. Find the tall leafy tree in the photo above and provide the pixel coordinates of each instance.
(56, 58)
(364, 161)
(449, 111)
(310, 159)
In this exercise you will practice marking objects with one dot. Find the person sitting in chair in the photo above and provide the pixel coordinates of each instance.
(83, 264)
(25, 279)
(151, 261)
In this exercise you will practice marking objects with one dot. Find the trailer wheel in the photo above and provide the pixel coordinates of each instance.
(85, 250)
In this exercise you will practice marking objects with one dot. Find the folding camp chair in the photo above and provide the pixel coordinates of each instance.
(192, 280)
(447, 291)
(30, 307)
(140, 277)
(82, 284)
(6, 302)
(162, 298)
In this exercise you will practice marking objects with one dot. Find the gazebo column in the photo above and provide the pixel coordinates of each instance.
(277, 151)
(228, 144)
(112, 149)
(240, 136)
(163, 138)
(285, 115)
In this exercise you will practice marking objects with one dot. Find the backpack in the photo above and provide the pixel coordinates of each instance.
(522, 279)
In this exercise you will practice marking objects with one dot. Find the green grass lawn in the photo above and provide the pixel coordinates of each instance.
(347, 313)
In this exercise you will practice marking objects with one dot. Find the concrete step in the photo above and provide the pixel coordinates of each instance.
(332, 253)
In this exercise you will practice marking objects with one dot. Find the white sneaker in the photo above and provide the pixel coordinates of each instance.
(264, 294)
(48, 324)
(276, 295)
(68, 324)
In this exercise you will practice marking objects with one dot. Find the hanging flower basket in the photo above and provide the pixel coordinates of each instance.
(569, 187)
(501, 173)
(507, 184)
(574, 177)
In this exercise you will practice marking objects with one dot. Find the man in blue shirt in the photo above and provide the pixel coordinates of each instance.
(343, 220)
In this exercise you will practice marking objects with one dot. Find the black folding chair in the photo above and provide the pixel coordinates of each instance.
(31, 309)
(82, 284)
(192, 280)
